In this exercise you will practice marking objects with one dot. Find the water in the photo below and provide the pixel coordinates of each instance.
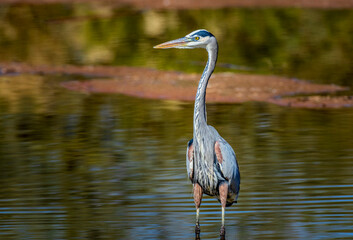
(106, 166)
(112, 167)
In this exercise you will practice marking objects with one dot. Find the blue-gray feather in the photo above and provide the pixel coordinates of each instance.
(229, 167)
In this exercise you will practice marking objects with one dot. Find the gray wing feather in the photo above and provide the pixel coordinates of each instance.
(229, 166)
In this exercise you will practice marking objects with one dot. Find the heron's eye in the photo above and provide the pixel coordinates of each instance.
(197, 38)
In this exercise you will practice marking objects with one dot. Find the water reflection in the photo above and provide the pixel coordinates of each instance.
(112, 167)
(302, 43)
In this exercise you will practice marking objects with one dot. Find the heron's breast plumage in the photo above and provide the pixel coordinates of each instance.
(204, 170)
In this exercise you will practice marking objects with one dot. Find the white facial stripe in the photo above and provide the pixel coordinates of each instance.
(201, 39)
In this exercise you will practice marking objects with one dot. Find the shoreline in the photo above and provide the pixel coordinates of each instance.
(170, 85)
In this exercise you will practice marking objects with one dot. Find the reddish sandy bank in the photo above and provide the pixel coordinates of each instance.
(223, 87)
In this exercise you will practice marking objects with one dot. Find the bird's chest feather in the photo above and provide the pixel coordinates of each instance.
(204, 153)
(204, 166)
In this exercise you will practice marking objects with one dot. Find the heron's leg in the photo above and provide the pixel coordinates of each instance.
(223, 192)
(197, 199)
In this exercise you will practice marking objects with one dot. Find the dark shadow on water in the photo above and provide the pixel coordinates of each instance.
(197, 232)
(197, 235)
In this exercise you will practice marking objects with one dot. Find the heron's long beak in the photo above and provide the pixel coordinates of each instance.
(180, 42)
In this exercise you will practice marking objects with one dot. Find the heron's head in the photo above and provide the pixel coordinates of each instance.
(197, 39)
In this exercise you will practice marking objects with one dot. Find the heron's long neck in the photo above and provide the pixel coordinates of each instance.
(200, 118)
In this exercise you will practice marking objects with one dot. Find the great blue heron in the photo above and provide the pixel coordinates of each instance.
(211, 163)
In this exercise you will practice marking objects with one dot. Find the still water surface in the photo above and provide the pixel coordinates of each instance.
(100, 166)
(105, 166)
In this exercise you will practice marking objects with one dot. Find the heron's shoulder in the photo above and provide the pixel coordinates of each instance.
(213, 131)
(218, 137)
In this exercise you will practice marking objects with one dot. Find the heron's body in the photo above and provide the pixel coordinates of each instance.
(208, 162)
(211, 162)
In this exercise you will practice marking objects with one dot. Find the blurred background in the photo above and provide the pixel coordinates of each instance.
(108, 166)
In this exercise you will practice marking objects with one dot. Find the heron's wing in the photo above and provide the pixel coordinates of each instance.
(190, 159)
(228, 164)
